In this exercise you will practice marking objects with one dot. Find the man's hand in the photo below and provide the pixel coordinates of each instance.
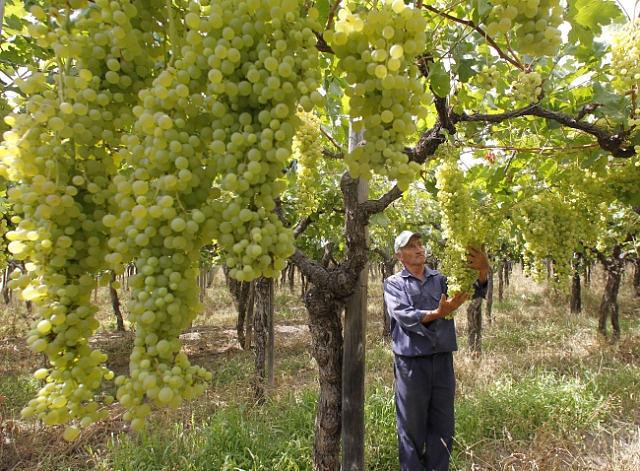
(445, 307)
(477, 260)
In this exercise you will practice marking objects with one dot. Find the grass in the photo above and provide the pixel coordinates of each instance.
(547, 393)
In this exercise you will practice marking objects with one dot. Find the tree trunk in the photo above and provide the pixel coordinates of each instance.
(6, 292)
(292, 277)
(490, 296)
(248, 321)
(263, 325)
(115, 304)
(501, 283)
(507, 272)
(474, 325)
(576, 294)
(241, 292)
(587, 280)
(326, 347)
(613, 266)
(636, 277)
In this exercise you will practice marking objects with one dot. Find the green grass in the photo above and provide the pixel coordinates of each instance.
(517, 407)
(277, 436)
(17, 390)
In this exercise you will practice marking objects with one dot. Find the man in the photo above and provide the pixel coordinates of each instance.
(423, 346)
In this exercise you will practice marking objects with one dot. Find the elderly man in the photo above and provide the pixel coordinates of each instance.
(423, 345)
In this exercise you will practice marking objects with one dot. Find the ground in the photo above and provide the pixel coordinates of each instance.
(548, 393)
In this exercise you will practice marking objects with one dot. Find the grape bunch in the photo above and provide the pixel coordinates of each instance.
(527, 87)
(462, 225)
(307, 151)
(262, 69)
(532, 25)
(208, 148)
(488, 77)
(376, 50)
(60, 154)
(625, 57)
(553, 229)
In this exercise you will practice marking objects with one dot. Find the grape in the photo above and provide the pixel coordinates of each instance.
(376, 51)
(307, 150)
(553, 228)
(531, 25)
(211, 137)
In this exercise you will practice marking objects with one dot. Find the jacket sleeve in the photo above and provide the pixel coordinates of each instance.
(400, 307)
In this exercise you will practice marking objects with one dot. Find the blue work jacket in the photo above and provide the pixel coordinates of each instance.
(407, 299)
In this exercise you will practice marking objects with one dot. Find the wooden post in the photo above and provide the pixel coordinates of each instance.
(353, 366)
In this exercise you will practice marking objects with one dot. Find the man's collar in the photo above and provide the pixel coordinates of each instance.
(427, 272)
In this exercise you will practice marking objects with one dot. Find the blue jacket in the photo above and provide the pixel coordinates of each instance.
(407, 299)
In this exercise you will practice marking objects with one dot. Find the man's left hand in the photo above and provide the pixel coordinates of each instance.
(477, 260)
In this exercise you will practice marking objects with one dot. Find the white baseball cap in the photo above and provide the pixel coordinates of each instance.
(403, 239)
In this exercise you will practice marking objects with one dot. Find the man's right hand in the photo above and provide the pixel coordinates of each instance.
(445, 307)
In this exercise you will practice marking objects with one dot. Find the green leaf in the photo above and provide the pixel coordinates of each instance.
(323, 7)
(594, 14)
(439, 79)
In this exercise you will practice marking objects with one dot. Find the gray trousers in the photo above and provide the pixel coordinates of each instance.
(425, 389)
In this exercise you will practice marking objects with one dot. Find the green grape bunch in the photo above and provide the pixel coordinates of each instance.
(212, 136)
(307, 150)
(625, 57)
(376, 50)
(553, 228)
(59, 153)
(462, 224)
(532, 25)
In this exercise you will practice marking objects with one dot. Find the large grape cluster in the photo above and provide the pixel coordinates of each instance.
(376, 50)
(531, 24)
(59, 152)
(210, 142)
(460, 222)
(553, 229)
(625, 57)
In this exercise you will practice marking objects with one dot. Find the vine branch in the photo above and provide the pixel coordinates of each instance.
(611, 142)
(513, 61)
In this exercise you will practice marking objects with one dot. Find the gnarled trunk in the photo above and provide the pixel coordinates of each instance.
(613, 266)
(326, 347)
(242, 293)
(115, 303)
(474, 326)
(263, 327)
(490, 296)
(576, 294)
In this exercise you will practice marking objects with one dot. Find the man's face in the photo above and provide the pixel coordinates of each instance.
(412, 254)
